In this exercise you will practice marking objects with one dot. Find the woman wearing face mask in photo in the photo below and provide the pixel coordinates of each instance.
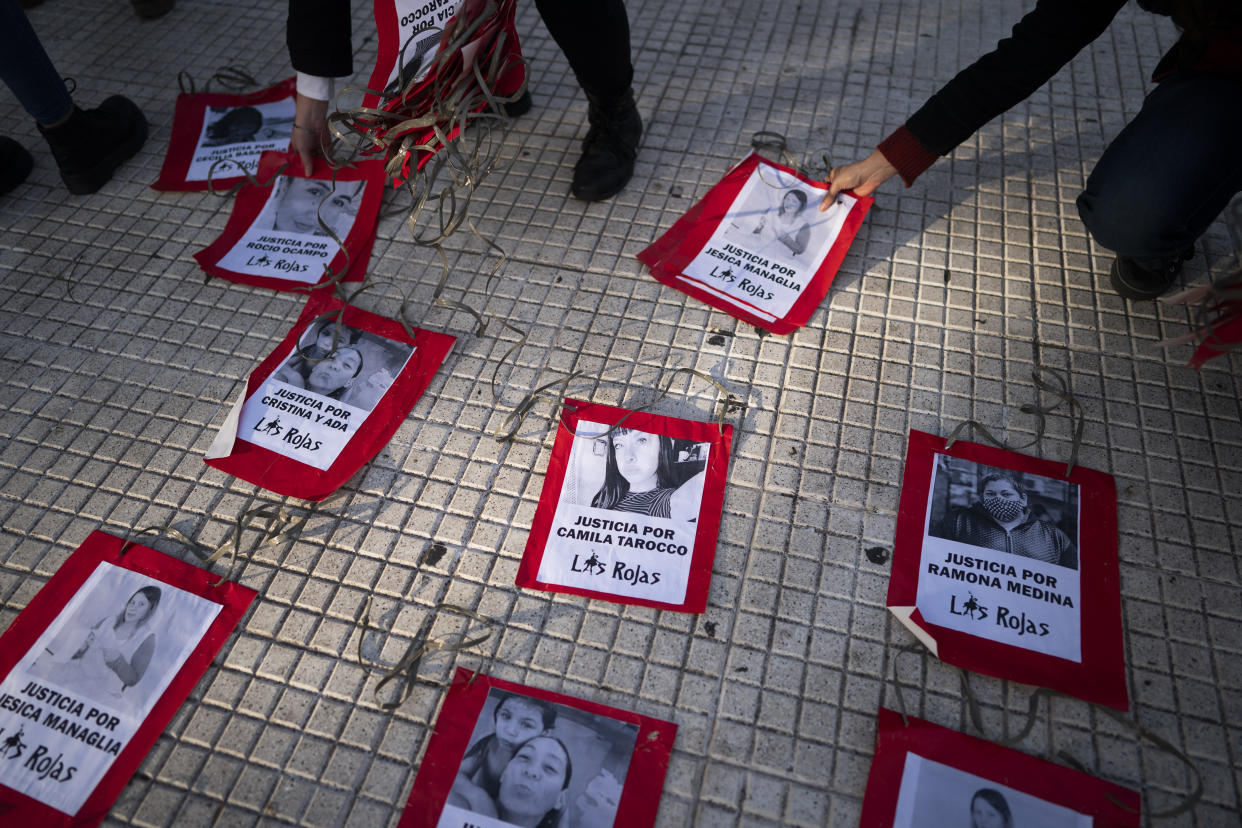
(638, 477)
(1002, 520)
(988, 809)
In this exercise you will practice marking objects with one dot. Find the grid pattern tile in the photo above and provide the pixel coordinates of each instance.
(119, 362)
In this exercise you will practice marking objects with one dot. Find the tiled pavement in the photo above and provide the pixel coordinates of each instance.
(117, 362)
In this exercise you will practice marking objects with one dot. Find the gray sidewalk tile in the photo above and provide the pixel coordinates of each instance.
(118, 362)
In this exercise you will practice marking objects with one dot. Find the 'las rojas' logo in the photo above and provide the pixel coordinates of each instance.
(13, 746)
(971, 607)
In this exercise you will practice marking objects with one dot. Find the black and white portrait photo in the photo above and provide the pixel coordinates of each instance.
(1018, 513)
(933, 795)
(776, 216)
(639, 472)
(346, 364)
(238, 135)
(227, 125)
(296, 205)
(120, 641)
(310, 407)
(539, 764)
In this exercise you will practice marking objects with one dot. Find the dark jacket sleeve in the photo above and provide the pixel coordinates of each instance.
(1041, 43)
(318, 34)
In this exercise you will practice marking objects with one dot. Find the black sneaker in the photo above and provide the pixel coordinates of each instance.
(15, 164)
(94, 142)
(1140, 279)
(610, 147)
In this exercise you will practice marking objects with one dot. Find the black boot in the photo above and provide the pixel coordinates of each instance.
(608, 152)
(94, 142)
(519, 107)
(1140, 279)
(15, 164)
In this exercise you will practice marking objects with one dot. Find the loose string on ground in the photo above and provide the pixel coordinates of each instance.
(975, 713)
(235, 78)
(405, 670)
(896, 652)
(815, 166)
(70, 280)
(727, 403)
(1059, 387)
(276, 524)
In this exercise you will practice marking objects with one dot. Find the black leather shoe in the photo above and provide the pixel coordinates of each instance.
(94, 142)
(1140, 279)
(610, 147)
(15, 164)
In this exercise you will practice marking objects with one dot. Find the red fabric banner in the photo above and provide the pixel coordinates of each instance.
(757, 247)
(93, 670)
(327, 399)
(1005, 566)
(629, 515)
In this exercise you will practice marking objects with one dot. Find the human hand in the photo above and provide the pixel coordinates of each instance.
(310, 130)
(863, 177)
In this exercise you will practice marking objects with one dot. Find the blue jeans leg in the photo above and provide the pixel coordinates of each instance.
(1170, 171)
(27, 70)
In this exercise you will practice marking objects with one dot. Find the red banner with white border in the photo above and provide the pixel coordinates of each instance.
(629, 514)
(93, 670)
(503, 754)
(212, 127)
(926, 775)
(757, 247)
(277, 235)
(1006, 566)
(327, 399)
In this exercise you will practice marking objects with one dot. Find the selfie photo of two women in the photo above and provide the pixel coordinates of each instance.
(538, 764)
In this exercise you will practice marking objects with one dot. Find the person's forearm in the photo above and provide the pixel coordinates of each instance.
(1041, 43)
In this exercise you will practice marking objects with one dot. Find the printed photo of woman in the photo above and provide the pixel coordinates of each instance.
(640, 477)
(1012, 512)
(988, 809)
(539, 764)
(517, 720)
(109, 654)
(297, 204)
(532, 789)
(785, 225)
(330, 376)
(346, 364)
(933, 794)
